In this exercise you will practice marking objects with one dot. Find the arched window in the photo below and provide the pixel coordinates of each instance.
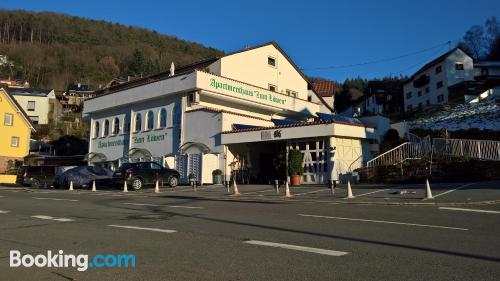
(106, 128)
(116, 126)
(138, 122)
(96, 129)
(150, 120)
(163, 118)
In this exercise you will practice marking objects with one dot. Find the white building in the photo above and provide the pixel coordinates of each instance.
(250, 105)
(40, 105)
(429, 85)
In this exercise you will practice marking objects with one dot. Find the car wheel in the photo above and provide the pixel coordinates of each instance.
(136, 183)
(35, 183)
(173, 181)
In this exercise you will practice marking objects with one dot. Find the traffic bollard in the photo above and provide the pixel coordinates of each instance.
(349, 190)
(157, 186)
(71, 185)
(93, 186)
(236, 192)
(428, 192)
(287, 190)
(125, 187)
(277, 186)
(331, 184)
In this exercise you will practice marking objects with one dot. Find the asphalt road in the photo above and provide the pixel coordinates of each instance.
(181, 235)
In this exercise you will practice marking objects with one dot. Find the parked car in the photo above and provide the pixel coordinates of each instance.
(83, 177)
(39, 176)
(142, 174)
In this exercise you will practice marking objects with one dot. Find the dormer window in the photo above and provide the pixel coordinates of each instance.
(271, 61)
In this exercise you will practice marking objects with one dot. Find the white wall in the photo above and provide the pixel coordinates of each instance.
(41, 107)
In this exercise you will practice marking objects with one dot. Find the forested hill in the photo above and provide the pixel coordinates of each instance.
(52, 50)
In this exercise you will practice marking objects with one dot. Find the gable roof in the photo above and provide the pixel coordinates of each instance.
(29, 92)
(437, 60)
(19, 108)
(324, 88)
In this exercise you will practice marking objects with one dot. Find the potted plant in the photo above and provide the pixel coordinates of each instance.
(295, 166)
(217, 176)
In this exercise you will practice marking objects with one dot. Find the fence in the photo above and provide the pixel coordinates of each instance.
(474, 149)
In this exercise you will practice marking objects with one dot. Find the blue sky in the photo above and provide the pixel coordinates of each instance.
(329, 35)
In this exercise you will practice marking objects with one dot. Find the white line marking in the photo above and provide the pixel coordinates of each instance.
(4, 212)
(54, 199)
(388, 222)
(1, 196)
(143, 228)
(470, 210)
(363, 194)
(169, 206)
(51, 218)
(297, 248)
(460, 187)
(310, 192)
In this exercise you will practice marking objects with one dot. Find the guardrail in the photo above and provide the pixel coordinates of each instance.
(474, 149)
(397, 155)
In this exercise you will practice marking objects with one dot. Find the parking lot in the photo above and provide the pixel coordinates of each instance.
(180, 234)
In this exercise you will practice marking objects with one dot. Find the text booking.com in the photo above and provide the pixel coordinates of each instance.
(81, 262)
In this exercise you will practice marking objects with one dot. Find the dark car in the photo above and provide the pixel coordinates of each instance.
(142, 174)
(39, 176)
(83, 177)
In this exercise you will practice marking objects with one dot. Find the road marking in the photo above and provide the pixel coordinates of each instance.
(470, 210)
(4, 212)
(310, 192)
(368, 193)
(54, 199)
(143, 228)
(169, 206)
(51, 218)
(297, 248)
(387, 222)
(460, 187)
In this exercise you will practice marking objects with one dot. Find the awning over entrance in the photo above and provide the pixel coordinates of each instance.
(94, 157)
(301, 130)
(138, 152)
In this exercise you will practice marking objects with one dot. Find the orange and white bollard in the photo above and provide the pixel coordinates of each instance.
(236, 192)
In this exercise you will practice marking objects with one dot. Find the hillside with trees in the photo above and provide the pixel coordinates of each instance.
(52, 50)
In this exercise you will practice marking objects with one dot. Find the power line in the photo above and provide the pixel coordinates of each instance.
(380, 60)
(420, 62)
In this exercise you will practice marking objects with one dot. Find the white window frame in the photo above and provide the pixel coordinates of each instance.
(11, 118)
(16, 144)
(28, 105)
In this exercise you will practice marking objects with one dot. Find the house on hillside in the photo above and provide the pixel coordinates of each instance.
(74, 96)
(382, 97)
(431, 83)
(16, 129)
(41, 105)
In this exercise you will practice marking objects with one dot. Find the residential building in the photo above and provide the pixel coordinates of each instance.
(75, 95)
(430, 84)
(252, 105)
(382, 97)
(15, 128)
(41, 105)
(326, 90)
